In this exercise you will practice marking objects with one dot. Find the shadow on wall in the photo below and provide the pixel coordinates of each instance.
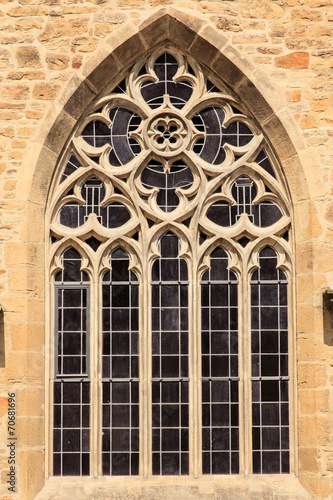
(328, 317)
(2, 339)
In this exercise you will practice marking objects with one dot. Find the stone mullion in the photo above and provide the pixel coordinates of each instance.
(49, 362)
(95, 377)
(145, 365)
(245, 406)
(195, 368)
(293, 437)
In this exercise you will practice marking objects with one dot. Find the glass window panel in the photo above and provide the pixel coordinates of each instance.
(165, 68)
(120, 361)
(217, 362)
(269, 417)
(244, 192)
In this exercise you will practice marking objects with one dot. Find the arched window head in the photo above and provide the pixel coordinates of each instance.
(172, 357)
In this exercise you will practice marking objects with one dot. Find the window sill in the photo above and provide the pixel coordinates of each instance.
(272, 486)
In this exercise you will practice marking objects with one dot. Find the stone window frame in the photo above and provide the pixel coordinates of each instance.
(243, 269)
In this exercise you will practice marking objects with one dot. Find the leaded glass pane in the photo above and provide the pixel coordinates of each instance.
(219, 364)
(165, 69)
(244, 191)
(72, 165)
(211, 147)
(71, 434)
(112, 215)
(170, 394)
(97, 134)
(269, 338)
(120, 368)
(178, 176)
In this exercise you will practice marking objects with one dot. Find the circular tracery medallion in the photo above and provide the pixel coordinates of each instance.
(167, 134)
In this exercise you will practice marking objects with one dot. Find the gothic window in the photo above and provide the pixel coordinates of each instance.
(170, 245)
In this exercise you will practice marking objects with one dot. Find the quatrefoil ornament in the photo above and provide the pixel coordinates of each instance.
(167, 132)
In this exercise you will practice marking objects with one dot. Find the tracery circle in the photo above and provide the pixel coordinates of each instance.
(167, 134)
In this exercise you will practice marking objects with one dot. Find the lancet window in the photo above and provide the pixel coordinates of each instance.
(171, 271)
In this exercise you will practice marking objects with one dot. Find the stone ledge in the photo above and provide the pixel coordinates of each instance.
(268, 487)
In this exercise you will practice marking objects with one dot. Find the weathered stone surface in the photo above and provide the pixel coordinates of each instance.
(296, 60)
(64, 28)
(45, 90)
(57, 61)
(18, 91)
(56, 57)
(28, 56)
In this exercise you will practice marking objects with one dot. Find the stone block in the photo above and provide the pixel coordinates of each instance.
(313, 430)
(311, 375)
(183, 28)
(309, 288)
(63, 28)
(313, 401)
(19, 367)
(30, 402)
(203, 51)
(279, 138)
(306, 15)
(312, 348)
(126, 45)
(19, 254)
(293, 95)
(79, 101)
(32, 473)
(295, 60)
(309, 319)
(28, 56)
(155, 28)
(255, 101)
(59, 132)
(15, 91)
(45, 90)
(57, 61)
(103, 73)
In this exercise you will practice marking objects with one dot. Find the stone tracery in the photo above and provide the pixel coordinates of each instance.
(170, 152)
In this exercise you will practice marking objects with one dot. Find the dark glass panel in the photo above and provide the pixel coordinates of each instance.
(115, 215)
(165, 68)
(71, 464)
(285, 462)
(263, 160)
(256, 458)
(270, 438)
(270, 414)
(269, 390)
(120, 464)
(271, 462)
(170, 464)
(178, 176)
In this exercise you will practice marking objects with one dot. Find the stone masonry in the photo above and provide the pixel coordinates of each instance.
(54, 59)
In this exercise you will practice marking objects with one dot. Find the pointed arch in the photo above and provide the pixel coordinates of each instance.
(222, 62)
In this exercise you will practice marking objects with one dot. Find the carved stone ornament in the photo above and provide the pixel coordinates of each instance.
(167, 176)
(166, 146)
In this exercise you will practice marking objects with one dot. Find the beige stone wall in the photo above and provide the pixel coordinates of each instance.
(55, 56)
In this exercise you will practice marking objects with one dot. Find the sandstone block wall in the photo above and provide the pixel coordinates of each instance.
(47, 50)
